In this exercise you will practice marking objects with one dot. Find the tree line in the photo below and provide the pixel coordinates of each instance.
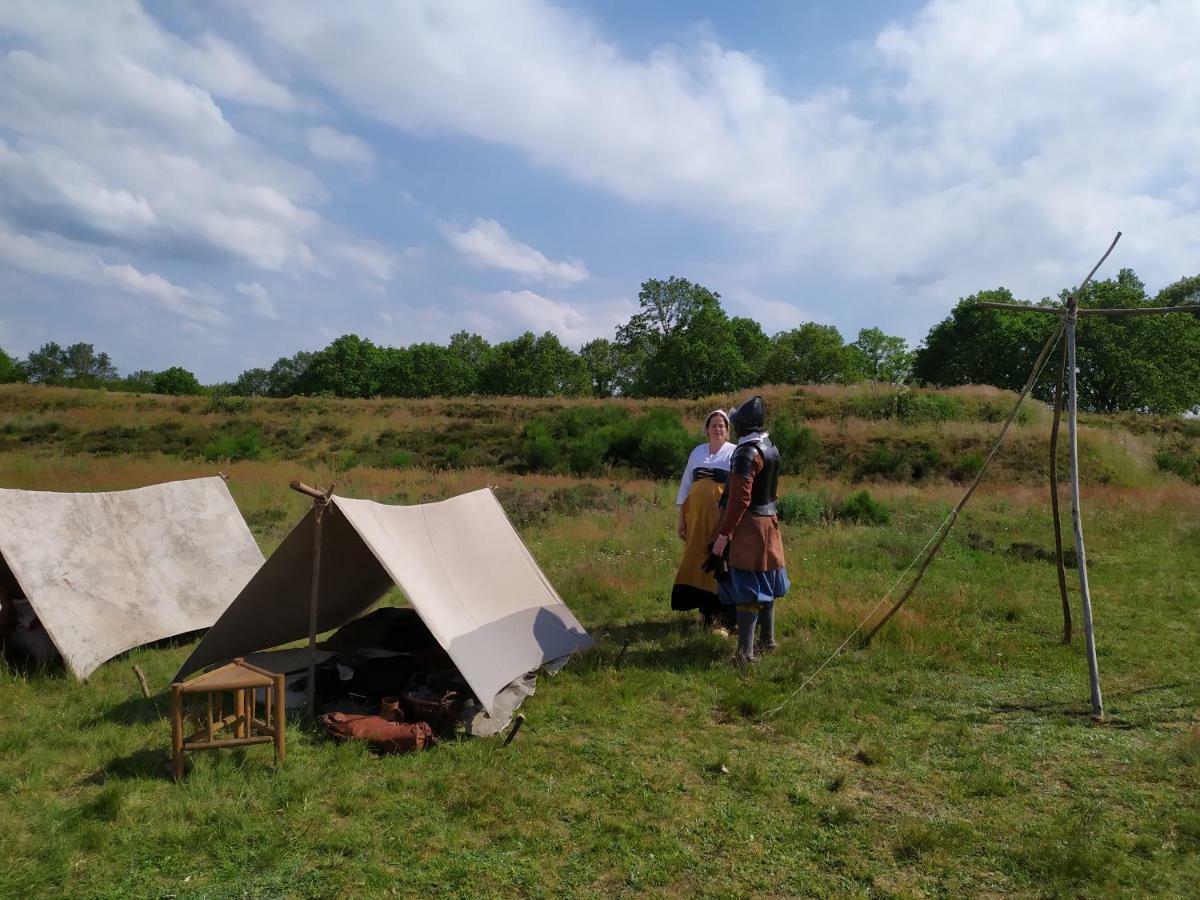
(682, 343)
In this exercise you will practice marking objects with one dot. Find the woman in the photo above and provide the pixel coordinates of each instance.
(749, 530)
(699, 491)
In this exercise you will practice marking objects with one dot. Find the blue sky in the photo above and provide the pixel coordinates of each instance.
(217, 185)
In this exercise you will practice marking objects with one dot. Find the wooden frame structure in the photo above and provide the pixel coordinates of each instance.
(243, 681)
(1068, 316)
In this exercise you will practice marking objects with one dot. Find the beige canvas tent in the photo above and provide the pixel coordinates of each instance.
(105, 572)
(460, 563)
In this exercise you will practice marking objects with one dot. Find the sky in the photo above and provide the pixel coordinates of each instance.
(218, 184)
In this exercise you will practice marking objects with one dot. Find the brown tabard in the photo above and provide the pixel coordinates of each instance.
(755, 544)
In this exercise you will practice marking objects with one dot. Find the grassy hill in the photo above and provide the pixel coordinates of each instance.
(953, 757)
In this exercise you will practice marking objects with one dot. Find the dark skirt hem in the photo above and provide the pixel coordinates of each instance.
(685, 597)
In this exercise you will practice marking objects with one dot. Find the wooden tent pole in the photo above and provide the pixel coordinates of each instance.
(1076, 519)
(310, 696)
(320, 500)
(1058, 544)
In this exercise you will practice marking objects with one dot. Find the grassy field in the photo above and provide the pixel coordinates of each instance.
(953, 757)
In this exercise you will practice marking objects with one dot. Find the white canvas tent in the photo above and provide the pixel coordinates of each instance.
(460, 563)
(105, 572)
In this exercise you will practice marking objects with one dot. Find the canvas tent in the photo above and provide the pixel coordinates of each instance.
(105, 572)
(459, 562)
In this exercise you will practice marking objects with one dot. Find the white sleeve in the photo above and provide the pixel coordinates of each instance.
(685, 485)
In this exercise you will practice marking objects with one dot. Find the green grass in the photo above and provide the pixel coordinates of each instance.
(952, 757)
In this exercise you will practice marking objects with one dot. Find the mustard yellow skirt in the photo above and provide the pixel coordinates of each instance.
(695, 588)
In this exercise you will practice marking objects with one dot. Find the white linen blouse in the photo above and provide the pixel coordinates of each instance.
(701, 457)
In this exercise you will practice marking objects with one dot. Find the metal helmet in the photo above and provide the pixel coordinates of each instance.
(749, 416)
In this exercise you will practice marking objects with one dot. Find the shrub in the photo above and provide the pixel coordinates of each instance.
(886, 462)
(586, 455)
(401, 459)
(911, 407)
(801, 508)
(539, 450)
(1180, 459)
(246, 444)
(176, 381)
(452, 456)
(799, 447)
(663, 448)
(966, 467)
(862, 509)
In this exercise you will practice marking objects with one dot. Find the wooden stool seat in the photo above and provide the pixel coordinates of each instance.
(244, 681)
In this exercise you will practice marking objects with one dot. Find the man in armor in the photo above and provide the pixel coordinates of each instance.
(748, 532)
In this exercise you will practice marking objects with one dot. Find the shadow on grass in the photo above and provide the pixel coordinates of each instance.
(137, 710)
(137, 766)
(1055, 709)
(673, 645)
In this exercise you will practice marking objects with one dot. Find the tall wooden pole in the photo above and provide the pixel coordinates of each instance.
(321, 500)
(1076, 520)
(1058, 543)
(310, 697)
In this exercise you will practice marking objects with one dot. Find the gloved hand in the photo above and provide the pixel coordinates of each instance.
(716, 566)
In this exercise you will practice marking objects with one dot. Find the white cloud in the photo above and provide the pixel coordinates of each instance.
(60, 259)
(115, 145)
(330, 144)
(998, 138)
(260, 299)
(503, 315)
(487, 243)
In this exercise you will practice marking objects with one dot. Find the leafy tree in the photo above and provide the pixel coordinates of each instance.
(252, 383)
(534, 367)
(680, 343)
(283, 379)
(754, 347)
(10, 369)
(1125, 362)
(1184, 292)
(810, 354)
(348, 367)
(141, 381)
(983, 346)
(82, 364)
(1147, 363)
(885, 358)
(47, 364)
(78, 364)
(176, 381)
(467, 352)
(604, 361)
(396, 373)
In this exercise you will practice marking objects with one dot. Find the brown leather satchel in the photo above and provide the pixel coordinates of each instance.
(383, 736)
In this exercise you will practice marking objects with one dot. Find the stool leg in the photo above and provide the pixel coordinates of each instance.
(279, 721)
(239, 711)
(177, 731)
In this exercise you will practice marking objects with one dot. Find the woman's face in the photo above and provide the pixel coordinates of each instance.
(718, 429)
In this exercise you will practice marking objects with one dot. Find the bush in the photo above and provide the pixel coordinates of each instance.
(801, 508)
(539, 450)
(452, 456)
(885, 462)
(799, 447)
(176, 381)
(586, 455)
(246, 444)
(401, 459)
(1180, 459)
(862, 509)
(663, 449)
(966, 467)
